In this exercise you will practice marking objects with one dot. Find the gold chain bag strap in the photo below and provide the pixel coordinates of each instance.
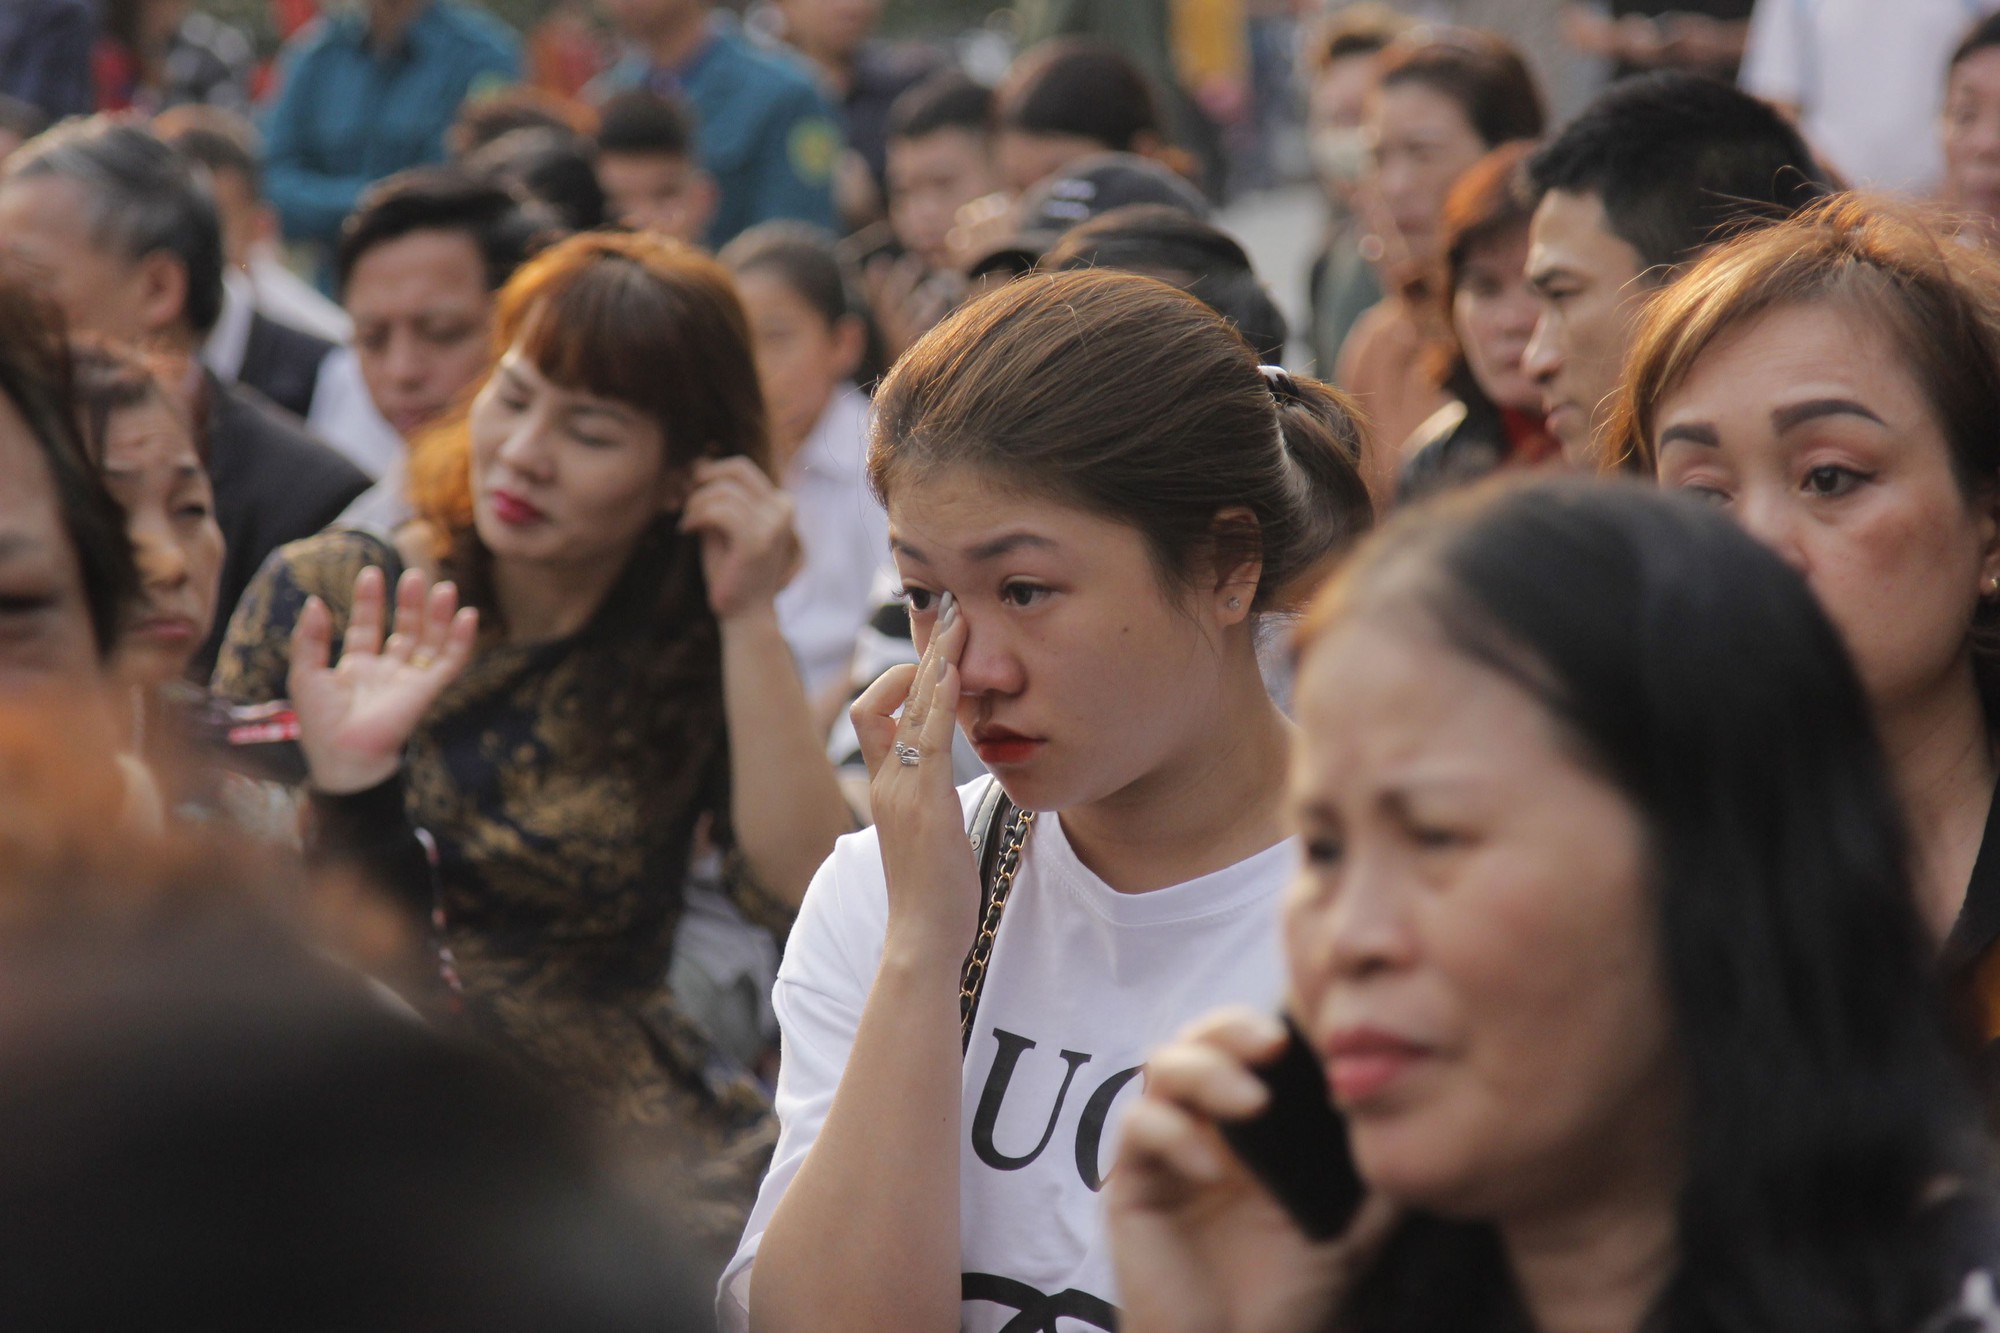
(999, 860)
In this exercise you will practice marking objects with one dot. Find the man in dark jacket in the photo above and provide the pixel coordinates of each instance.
(126, 241)
(45, 50)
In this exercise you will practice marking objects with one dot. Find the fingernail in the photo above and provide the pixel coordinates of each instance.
(1244, 1094)
(947, 611)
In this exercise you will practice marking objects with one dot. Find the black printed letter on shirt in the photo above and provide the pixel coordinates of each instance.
(997, 1079)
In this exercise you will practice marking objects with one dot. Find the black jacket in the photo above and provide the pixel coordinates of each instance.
(282, 363)
(274, 484)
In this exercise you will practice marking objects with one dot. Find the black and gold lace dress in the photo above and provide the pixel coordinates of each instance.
(554, 886)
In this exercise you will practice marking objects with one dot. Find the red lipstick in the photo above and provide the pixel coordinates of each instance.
(511, 509)
(1000, 747)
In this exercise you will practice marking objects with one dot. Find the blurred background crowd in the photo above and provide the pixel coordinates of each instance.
(441, 432)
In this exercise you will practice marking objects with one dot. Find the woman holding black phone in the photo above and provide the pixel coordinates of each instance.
(1604, 944)
(1094, 494)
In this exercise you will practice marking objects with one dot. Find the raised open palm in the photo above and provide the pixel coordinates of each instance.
(356, 715)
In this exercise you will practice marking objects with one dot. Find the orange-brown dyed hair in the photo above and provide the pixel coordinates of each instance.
(654, 324)
(1897, 267)
(638, 318)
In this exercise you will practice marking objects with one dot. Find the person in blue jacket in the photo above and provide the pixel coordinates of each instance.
(367, 94)
(764, 130)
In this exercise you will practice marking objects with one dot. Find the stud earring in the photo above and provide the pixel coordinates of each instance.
(1993, 586)
(1236, 603)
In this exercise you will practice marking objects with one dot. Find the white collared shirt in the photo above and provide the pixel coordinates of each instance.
(229, 341)
(846, 539)
(346, 417)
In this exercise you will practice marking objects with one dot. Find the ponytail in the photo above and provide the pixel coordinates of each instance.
(1129, 398)
(1321, 438)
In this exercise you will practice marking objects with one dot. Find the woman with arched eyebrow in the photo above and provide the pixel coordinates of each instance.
(1832, 384)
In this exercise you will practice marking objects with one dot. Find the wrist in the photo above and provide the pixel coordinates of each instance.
(347, 777)
(757, 619)
(925, 954)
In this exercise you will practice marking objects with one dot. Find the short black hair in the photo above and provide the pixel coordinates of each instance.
(1076, 86)
(1679, 162)
(948, 100)
(1983, 34)
(442, 199)
(550, 166)
(144, 199)
(483, 119)
(220, 140)
(1174, 246)
(642, 122)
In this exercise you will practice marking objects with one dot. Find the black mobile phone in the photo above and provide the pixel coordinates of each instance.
(1298, 1147)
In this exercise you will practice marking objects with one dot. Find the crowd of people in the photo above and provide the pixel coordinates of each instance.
(772, 692)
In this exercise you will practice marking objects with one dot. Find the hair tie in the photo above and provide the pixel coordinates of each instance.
(1280, 382)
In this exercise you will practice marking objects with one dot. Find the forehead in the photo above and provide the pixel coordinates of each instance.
(634, 169)
(1572, 231)
(765, 295)
(1979, 71)
(416, 272)
(1416, 107)
(944, 512)
(939, 150)
(1505, 249)
(1797, 353)
(1344, 82)
(147, 434)
(1382, 691)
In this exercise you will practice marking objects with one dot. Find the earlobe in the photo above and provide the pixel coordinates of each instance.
(1989, 564)
(1236, 586)
(851, 343)
(163, 292)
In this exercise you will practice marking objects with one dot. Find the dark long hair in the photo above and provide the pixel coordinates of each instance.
(36, 376)
(1698, 674)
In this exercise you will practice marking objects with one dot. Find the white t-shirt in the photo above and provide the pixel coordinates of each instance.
(1084, 983)
(1867, 77)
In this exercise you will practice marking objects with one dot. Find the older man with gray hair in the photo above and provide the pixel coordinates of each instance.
(122, 232)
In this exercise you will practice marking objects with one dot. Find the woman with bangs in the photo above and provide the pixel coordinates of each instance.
(614, 695)
(1832, 383)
